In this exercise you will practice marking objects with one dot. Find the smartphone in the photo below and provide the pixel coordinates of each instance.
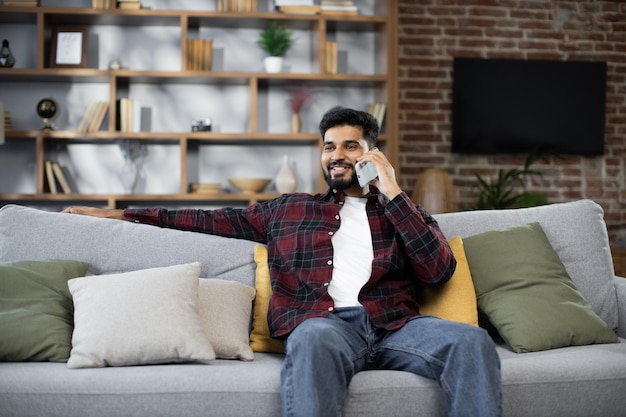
(365, 173)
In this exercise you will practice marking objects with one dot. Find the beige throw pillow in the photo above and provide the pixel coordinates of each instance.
(134, 318)
(225, 308)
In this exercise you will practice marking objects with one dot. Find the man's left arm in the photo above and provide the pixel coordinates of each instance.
(426, 246)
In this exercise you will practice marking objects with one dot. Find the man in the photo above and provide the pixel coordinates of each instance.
(346, 266)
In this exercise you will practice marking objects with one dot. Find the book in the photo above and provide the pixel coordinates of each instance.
(339, 7)
(278, 3)
(378, 110)
(86, 119)
(199, 55)
(100, 112)
(331, 57)
(60, 176)
(52, 185)
(246, 6)
(299, 9)
(101, 4)
(132, 6)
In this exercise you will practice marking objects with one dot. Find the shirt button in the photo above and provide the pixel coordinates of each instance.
(336, 217)
(331, 309)
(326, 284)
(329, 262)
(331, 233)
(334, 191)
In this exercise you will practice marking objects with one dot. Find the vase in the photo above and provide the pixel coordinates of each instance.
(296, 123)
(129, 176)
(435, 192)
(285, 179)
(6, 56)
(273, 64)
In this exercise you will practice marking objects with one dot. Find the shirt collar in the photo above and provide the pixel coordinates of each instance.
(339, 196)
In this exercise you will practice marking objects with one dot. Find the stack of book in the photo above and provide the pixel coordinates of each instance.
(331, 57)
(378, 110)
(22, 3)
(345, 7)
(101, 4)
(7, 121)
(128, 4)
(297, 6)
(236, 6)
(56, 178)
(93, 116)
(199, 55)
(128, 117)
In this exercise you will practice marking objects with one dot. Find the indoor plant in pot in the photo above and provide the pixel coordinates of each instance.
(275, 41)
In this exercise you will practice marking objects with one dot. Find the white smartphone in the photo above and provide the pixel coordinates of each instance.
(365, 173)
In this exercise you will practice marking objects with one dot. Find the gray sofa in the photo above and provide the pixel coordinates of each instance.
(571, 381)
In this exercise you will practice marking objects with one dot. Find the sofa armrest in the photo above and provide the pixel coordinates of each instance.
(620, 287)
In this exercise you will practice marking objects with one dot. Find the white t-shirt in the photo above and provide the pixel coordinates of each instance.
(353, 254)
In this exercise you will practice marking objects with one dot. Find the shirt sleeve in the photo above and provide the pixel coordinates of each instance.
(426, 246)
(248, 223)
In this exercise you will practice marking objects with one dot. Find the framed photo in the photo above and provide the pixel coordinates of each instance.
(69, 47)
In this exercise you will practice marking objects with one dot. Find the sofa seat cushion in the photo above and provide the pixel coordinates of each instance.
(224, 388)
(579, 381)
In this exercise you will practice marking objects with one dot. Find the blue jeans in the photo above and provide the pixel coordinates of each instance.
(323, 354)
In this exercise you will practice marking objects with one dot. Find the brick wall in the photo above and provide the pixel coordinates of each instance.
(432, 32)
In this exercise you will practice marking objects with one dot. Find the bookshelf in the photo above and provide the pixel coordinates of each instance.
(248, 107)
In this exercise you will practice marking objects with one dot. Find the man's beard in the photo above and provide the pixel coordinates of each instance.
(341, 183)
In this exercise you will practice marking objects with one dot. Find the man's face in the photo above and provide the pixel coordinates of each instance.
(342, 146)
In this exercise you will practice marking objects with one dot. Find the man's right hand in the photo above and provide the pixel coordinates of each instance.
(96, 212)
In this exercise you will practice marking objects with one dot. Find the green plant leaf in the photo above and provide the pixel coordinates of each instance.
(275, 40)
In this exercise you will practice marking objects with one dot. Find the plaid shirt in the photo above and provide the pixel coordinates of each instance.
(409, 250)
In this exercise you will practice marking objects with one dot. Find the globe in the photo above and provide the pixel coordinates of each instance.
(46, 109)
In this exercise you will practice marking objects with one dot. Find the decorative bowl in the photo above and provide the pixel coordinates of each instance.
(249, 185)
(206, 188)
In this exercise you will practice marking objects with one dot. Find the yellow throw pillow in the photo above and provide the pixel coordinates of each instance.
(260, 340)
(456, 299)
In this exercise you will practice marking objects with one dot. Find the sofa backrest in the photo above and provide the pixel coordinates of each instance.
(578, 234)
(112, 246)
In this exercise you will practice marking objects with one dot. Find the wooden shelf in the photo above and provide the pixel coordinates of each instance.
(250, 103)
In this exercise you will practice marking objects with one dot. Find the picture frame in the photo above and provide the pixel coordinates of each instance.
(68, 47)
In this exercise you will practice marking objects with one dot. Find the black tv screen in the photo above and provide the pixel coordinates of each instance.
(517, 106)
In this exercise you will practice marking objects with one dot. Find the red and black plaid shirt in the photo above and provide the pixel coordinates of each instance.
(409, 250)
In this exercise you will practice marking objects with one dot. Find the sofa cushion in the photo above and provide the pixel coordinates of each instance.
(36, 309)
(577, 232)
(525, 291)
(456, 299)
(136, 318)
(113, 246)
(260, 340)
(224, 308)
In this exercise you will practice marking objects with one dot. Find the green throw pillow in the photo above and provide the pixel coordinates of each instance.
(36, 310)
(524, 289)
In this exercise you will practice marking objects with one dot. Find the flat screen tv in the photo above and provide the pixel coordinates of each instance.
(517, 106)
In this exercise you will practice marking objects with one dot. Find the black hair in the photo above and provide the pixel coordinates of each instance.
(351, 117)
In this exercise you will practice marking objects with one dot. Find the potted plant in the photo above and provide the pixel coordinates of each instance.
(275, 41)
(508, 189)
